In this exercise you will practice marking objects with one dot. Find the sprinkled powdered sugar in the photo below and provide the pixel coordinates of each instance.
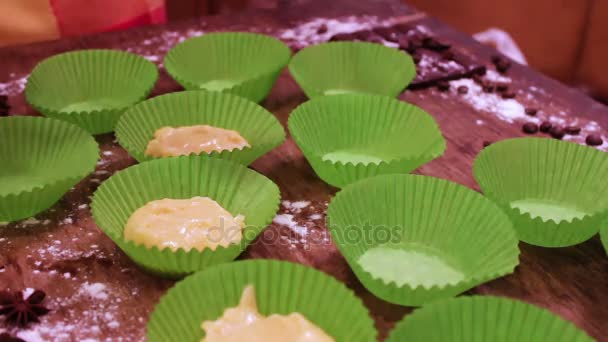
(15, 86)
(302, 218)
(94, 290)
(309, 32)
(287, 221)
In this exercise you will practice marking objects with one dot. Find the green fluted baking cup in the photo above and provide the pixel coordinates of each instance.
(485, 318)
(413, 239)
(245, 64)
(259, 127)
(280, 288)
(41, 159)
(553, 191)
(235, 187)
(352, 67)
(604, 236)
(353, 136)
(90, 88)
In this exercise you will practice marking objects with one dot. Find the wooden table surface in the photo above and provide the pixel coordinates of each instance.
(94, 291)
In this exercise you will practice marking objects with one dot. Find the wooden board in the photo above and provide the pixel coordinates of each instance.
(95, 291)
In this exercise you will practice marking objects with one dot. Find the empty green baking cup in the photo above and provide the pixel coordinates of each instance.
(235, 187)
(485, 318)
(280, 288)
(554, 191)
(353, 136)
(90, 88)
(245, 64)
(259, 127)
(352, 67)
(413, 239)
(41, 159)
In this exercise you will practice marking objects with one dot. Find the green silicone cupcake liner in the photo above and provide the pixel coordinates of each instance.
(414, 239)
(352, 67)
(353, 136)
(259, 127)
(235, 187)
(90, 88)
(553, 191)
(280, 288)
(41, 160)
(485, 318)
(245, 64)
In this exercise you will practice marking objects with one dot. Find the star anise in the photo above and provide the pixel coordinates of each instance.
(6, 337)
(22, 311)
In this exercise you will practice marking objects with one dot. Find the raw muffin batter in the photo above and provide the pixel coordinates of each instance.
(185, 140)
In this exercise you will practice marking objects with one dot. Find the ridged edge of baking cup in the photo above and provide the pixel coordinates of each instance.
(255, 60)
(405, 135)
(357, 67)
(485, 318)
(32, 144)
(281, 287)
(428, 213)
(90, 75)
(604, 236)
(235, 187)
(550, 170)
(258, 126)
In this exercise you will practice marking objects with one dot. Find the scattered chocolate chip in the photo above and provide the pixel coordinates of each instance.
(502, 64)
(557, 132)
(502, 87)
(486, 143)
(508, 95)
(529, 128)
(594, 140)
(322, 29)
(22, 311)
(479, 70)
(443, 85)
(463, 89)
(572, 130)
(478, 79)
(433, 44)
(545, 126)
(342, 37)
(531, 111)
(487, 87)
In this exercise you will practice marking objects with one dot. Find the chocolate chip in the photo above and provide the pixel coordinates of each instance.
(322, 29)
(508, 95)
(463, 89)
(487, 87)
(478, 79)
(342, 37)
(502, 64)
(529, 128)
(572, 130)
(557, 132)
(502, 87)
(479, 70)
(486, 143)
(433, 44)
(531, 111)
(443, 86)
(545, 126)
(594, 140)
(3, 98)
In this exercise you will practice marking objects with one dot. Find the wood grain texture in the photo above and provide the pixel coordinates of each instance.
(68, 254)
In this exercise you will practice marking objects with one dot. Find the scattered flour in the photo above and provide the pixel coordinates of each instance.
(95, 290)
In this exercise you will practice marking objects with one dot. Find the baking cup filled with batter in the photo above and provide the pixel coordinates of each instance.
(280, 288)
(353, 136)
(260, 128)
(41, 159)
(234, 187)
(245, 64)
(553, 191)
(352, 67)
(90, 88)
(414, 239)
(485, 318)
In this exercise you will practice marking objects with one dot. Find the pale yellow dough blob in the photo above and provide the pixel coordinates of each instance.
(245, 323)
(179, 141)
(198, 222)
